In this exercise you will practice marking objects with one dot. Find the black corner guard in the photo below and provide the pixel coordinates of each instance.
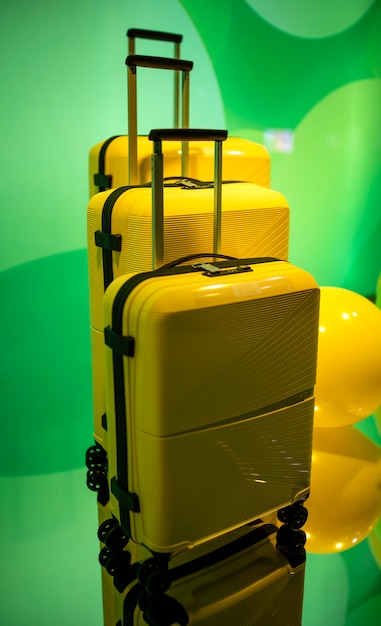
(103, 181)
(108, 241)
(126, 499)
(120, 344)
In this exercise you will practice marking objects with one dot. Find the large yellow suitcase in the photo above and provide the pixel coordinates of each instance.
(209, 377)
(255, 222)
(122, 159)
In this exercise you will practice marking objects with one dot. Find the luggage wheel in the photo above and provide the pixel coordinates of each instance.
(163, 611)
(118, 563)
(103, 556)
(105, 527)
(96, 479)
(295, 515)
(96, 455)
(115, 538)
(291, 543)
(154, 577)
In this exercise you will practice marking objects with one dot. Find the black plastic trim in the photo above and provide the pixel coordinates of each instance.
(102, 180)
(107, 241)
(156, 35)
(119, 343)
(161, 63)
(125, 497)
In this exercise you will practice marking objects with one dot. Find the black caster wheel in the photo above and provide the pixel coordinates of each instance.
(115, 538)
(291, 541)
(95, 455)
(294, 515)
(154, 578)
(96, 479)
(104, 554)
(118, 563)
(105, 527)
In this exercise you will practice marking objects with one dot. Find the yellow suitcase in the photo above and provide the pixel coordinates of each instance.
(122, 160)
(209, 397)
(243, 580)
(255, 222)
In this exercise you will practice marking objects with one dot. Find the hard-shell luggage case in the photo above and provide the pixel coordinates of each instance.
(255, 222)
(209, 377)
(122, 160)
(244, 581)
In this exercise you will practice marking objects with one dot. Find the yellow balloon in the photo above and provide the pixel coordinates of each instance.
(375, 543)
(348, 385)
(345, 499)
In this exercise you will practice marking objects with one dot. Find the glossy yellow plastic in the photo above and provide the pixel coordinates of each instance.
(242, 160)
(348, 386)
(345, 499)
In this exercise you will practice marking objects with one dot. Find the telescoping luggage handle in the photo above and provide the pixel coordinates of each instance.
(132, 62)
(157, 35)
(184, 135)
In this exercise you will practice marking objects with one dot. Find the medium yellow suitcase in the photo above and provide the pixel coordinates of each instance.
(243, 580)
(255, 222)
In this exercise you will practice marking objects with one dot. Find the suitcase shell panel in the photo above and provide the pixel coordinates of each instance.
(242, 160)
(255, 223)
(221, 388)
(254, 587)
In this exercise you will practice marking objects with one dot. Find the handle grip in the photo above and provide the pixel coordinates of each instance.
(194, 257)
(184, 135)
(163, 63)
(187, 134)
(157, 35)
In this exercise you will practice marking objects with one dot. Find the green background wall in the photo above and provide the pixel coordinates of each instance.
(302, 77)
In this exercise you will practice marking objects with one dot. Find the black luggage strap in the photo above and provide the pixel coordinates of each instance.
(118, 343)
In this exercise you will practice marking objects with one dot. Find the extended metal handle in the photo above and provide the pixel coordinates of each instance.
(182, 134)
(132, 62)
(134, 33)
